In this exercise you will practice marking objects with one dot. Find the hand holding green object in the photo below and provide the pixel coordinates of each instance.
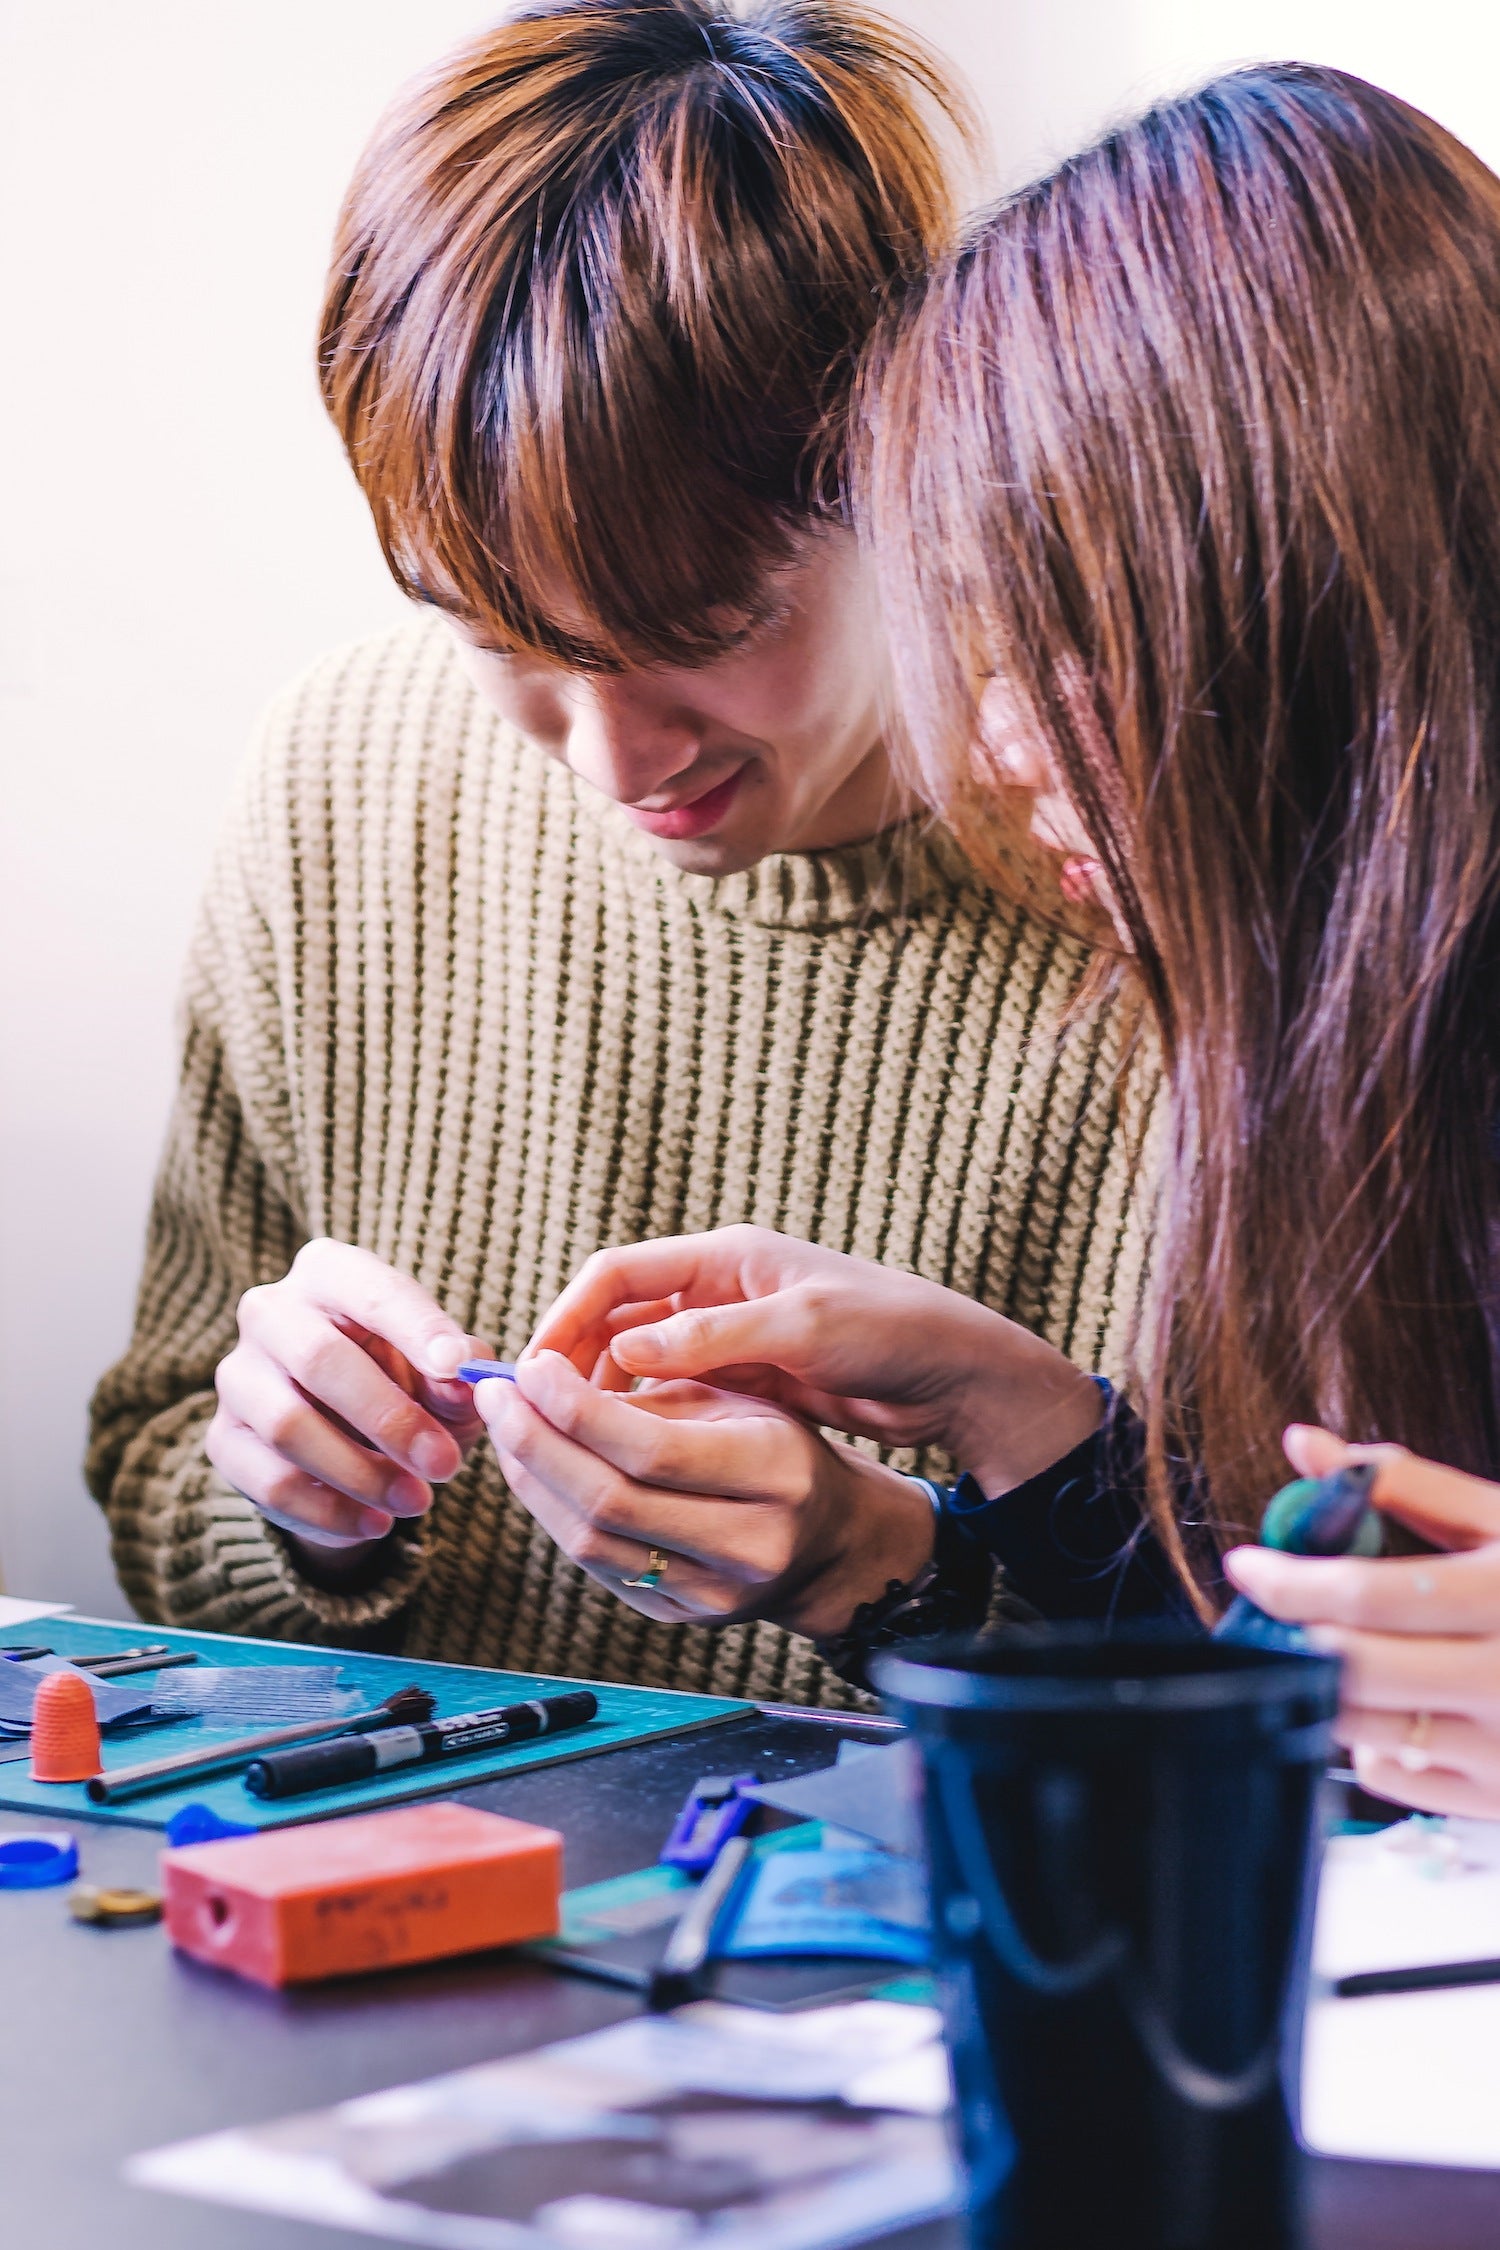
(1419, 1634)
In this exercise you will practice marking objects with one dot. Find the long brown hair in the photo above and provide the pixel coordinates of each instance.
(596, 303)
(1196, 443)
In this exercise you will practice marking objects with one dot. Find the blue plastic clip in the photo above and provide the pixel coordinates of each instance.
(200, 1824)
(716, 1809)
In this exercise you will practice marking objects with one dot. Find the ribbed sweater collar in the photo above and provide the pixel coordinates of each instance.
(890, 877)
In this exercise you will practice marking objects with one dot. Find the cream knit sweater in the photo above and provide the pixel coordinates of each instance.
(448, 1004)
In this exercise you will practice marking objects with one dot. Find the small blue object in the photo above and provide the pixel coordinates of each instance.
(485, 1370)
(35, 1862)
(200, 1824)
(716, 1809)
(1330, 1515)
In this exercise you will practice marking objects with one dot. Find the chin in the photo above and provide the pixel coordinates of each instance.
(727, 854)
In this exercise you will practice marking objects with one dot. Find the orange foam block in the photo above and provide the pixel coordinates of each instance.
(64, 1729)
(345, 1896)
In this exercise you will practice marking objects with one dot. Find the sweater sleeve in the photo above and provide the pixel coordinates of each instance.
(1074, 1540)
(227, 1214)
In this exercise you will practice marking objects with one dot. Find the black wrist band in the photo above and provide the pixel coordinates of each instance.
(949, 1594)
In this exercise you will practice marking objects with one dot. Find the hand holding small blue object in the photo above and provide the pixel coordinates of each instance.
(486, 1370)
(1329, 1515)
(1419, 1634)
(339, 1407)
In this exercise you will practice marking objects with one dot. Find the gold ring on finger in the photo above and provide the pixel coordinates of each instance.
(654, 1572)
(1414, 1755)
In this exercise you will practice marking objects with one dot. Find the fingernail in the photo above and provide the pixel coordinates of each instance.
(492, 1399)
(373, 1523)
(445, 1356)
(434, 1457)
(638, 1344)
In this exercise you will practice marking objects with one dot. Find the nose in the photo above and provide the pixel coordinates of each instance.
(627, 737)
(1007, 741)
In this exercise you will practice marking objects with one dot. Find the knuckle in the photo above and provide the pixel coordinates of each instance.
(659, 1455)
(213, 1441)
(254, 1305)
(395, 1428)
(226, 1375)
(815, 1302)
(522, 1443)
(588, 1546)
(285, 1490)
(315, 1256)
(281, 1422)
(606, 1506)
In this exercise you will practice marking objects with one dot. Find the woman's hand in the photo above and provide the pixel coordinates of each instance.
(338, 1407)
(1419, 1634)
(837, 1340)
(754, 1513)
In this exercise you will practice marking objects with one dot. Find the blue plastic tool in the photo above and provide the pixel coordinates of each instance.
(484, 1370)
(35, 1861)
(1330, 1515)
(200, 1824)
(716, 1809)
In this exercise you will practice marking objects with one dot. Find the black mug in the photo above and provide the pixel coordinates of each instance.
(1123, 1835)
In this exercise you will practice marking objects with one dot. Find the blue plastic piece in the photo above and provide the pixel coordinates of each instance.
(716, 1809)
(1246, 1623)
(36, 1862)
(200, 1824)
(1330, 1515)
(487, 1370)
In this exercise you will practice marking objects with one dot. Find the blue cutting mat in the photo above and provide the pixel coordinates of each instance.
(626, 1714)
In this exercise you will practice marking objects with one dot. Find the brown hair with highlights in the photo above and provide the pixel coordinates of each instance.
(596, 301)
(1196, 443)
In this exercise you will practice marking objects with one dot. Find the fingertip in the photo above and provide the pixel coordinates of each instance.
(373, 1523)
(408, 1496)
(1306, 1446)
(635, 1349)
(1242, 1564)
(436, 1455)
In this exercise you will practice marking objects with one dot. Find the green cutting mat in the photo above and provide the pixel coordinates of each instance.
(626, 1714)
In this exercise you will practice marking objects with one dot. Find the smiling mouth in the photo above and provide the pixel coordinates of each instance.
(696, 817)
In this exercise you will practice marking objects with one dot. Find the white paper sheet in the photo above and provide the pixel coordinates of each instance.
(386, 2163)
(1408, 2077)
(14, 1611)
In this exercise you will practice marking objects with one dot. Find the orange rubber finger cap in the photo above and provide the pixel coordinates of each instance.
(64, 1730)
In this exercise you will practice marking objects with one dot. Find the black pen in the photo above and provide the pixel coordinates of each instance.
(354, 1757)
(1435, 1976)
(684, 1965)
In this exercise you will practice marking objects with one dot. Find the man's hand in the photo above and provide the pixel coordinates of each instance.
(338, 1407)
(754, 1513)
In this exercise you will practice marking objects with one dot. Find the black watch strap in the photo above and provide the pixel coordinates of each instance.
(949, 1594)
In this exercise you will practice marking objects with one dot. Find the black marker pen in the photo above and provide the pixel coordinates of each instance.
(354, 1757)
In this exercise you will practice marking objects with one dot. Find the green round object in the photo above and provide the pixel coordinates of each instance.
(1283, 1509)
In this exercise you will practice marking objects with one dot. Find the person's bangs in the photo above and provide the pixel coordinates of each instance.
(600, 292)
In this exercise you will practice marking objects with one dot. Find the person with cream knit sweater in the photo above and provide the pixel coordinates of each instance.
(589, 910)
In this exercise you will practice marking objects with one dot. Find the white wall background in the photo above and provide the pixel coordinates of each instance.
(180, 533)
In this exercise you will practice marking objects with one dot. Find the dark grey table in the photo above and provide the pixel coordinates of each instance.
(110, 2043)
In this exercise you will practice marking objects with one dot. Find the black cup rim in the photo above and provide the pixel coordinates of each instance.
(1220, 1675)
